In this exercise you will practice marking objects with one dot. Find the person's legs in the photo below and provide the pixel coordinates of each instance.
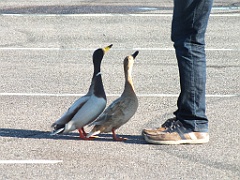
(189, 24)
(188, 33)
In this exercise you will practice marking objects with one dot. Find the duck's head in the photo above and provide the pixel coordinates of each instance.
(99, 53)
(129, 60)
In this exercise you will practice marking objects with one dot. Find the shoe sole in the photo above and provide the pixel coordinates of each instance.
(190, 141)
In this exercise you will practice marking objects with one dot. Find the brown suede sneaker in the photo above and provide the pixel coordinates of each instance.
(158, 130)
(176, 133)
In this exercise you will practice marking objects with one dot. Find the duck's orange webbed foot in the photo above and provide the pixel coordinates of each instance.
(117, 138)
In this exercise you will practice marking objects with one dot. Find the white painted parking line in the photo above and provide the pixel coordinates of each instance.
(46, 49)
(116, 49)
(111, 95)
(115, 15)
(30, 161)
(90, 15)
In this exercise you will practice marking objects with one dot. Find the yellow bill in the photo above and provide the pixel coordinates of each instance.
(107, 48)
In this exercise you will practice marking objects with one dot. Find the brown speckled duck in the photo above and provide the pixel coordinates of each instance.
(122, 109)
(87, 108)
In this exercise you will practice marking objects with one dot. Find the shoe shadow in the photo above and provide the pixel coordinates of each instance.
(36, 134)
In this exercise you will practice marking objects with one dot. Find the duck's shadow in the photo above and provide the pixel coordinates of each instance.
(36, 134)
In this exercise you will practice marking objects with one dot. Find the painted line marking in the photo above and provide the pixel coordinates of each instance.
(225, 8)
(30, 161)
(109, 95)
(116, 49)
(47, 49)
(90, 15)
(113, 15)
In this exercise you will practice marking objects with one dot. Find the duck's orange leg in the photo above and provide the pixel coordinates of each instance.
(82, 134)
(117, 138)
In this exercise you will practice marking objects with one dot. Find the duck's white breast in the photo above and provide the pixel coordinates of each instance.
(89, 112)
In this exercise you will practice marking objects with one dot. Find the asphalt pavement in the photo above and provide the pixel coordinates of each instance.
(45, 54)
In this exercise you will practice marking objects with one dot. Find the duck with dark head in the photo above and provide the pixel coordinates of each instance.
(87, 108)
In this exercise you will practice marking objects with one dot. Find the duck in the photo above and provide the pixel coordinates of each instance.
(88, 107)
(120, 110)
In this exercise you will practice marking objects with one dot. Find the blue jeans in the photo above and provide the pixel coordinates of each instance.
(189, 23)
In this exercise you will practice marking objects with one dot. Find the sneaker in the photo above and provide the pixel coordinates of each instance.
(176, 133)
(157, 130)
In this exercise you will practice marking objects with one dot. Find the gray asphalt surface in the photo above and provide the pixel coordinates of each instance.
(45, 54)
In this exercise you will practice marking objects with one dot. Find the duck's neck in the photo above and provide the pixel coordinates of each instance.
(129, 88)
(93, 81)
(96, 69)
(98, 86)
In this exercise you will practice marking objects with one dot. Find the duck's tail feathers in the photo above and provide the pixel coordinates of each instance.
(58, 131)
(93, 133)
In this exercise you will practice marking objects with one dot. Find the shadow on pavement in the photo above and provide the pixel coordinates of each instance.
(36, 134)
